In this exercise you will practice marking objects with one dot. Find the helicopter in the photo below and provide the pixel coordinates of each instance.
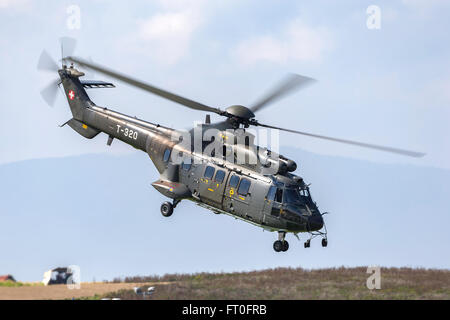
(226, 173)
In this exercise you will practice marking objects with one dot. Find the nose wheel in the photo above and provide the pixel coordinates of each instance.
(323, 235)
(281, 244)
(307, 243)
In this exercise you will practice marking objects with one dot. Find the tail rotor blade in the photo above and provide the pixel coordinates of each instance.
(47, 63)
(49, 92)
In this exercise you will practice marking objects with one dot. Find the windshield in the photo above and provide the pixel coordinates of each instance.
(292, 195)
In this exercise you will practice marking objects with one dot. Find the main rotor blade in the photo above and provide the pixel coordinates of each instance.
(50, 91)
(355, 143)
(147, 87)
(68, 46)
(291, 83)
(47, 63)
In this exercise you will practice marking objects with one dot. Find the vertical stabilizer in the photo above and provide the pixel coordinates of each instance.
(73, 89)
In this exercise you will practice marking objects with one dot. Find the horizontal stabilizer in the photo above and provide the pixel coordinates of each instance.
(83, 129)
(89, 84)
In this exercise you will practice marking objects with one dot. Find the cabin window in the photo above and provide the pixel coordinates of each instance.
(186, 165)
(220, 175)
(166, 155)
(209, 172)
(271, 193)
(234, 181)
(244, 186)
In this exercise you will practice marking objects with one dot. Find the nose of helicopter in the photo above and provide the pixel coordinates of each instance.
(315, 222)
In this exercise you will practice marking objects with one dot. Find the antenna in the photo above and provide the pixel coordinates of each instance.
(69, 45)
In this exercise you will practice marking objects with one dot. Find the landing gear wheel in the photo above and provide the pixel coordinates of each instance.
(278, 246)
(166, 209)
(307, 243)
(285, 246)
(324, 242)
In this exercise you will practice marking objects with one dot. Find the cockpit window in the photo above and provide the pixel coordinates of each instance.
(279, 195)
(291, 196)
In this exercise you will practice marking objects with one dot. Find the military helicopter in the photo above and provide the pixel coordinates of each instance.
(264, 191)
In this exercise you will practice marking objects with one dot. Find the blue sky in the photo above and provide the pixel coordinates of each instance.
(389, 86)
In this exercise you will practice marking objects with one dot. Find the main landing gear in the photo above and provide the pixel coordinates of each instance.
(167, 208)
(281, 244)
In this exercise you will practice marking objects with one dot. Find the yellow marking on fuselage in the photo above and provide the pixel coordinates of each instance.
(84, 126)
(212, 190)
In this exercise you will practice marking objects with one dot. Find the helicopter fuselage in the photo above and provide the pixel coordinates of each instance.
(274, 200)
(211, 182)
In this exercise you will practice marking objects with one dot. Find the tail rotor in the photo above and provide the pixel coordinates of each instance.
(48, 64)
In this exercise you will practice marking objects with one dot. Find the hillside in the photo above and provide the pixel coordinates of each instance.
(279, 283)
(289, 283)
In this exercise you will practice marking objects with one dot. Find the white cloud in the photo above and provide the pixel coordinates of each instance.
(167, 35)
(296, 42)
(15, 4)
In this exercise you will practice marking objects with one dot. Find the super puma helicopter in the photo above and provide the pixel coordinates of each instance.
(274, 200)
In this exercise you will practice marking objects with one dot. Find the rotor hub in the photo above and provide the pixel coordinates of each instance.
(240, 112)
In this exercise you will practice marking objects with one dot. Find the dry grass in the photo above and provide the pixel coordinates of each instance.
(60, 291)
(289, 283)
